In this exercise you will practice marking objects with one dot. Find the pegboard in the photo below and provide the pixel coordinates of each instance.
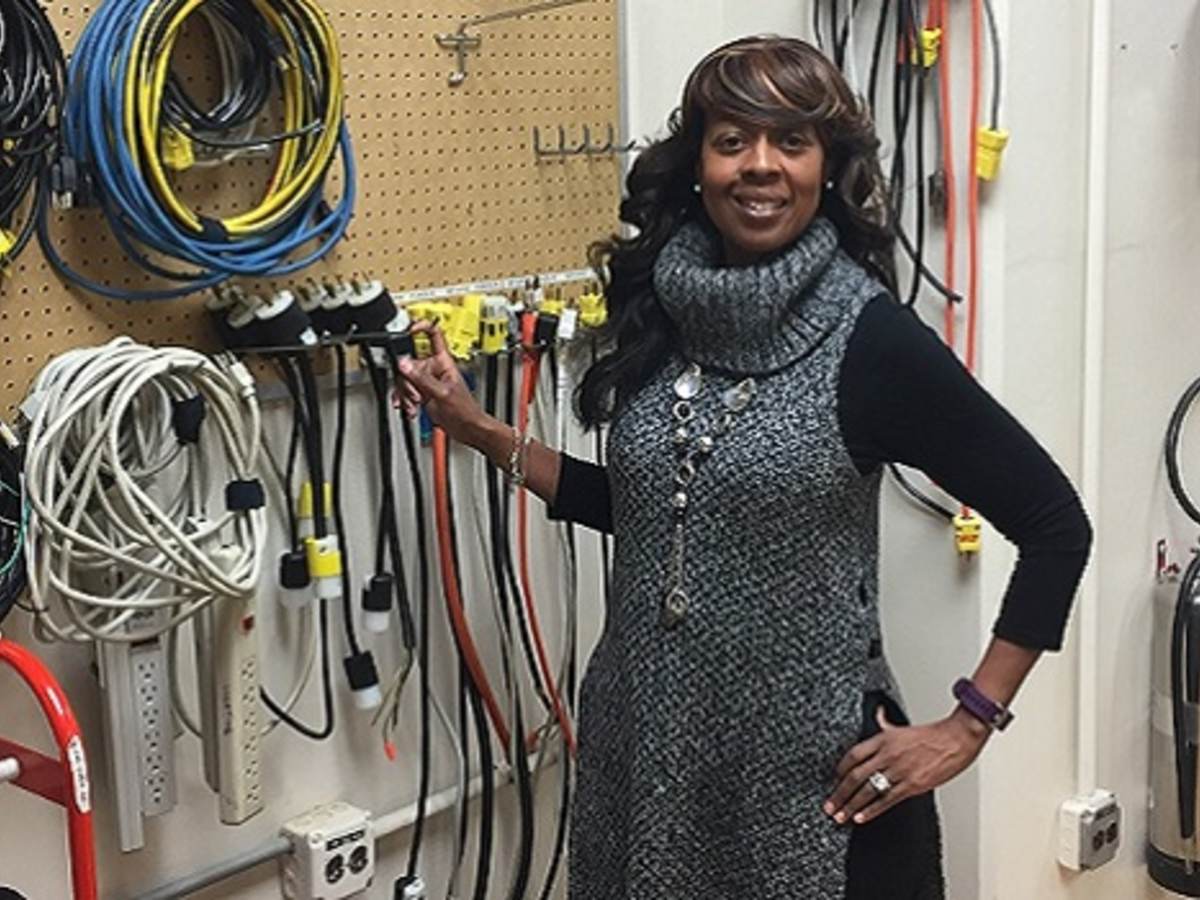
(449, 188)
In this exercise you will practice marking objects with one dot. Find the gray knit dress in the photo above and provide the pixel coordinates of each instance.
(707, 749)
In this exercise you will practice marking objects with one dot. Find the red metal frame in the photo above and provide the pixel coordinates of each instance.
(64, 780)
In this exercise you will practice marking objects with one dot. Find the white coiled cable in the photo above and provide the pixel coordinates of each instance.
(120, 544)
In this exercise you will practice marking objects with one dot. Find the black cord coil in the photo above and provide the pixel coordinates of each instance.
(32, 79)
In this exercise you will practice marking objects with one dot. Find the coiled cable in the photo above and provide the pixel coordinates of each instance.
(32, 79)
(120, 75)
(120, 544)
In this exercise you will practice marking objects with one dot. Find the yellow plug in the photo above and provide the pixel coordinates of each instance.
(324, 557)
(8, 240)
(433, 311)
(493, 325)
(992, 142)
(592, 310)
(422, 346)
(178, 153)
(463, 325)
(931, 46)
(968, 534)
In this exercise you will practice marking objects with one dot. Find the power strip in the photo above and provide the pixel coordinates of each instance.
(332, 855)
(235, 684)
(138, 741)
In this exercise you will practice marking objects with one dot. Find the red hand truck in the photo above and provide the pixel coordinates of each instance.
(64, 780)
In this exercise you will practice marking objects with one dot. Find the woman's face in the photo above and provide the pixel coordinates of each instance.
(760, 187)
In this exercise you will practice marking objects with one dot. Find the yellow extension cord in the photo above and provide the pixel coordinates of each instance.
(302, 160)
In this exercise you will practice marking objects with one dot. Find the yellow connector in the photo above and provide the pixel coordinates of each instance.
(493, 324)
(592, 310)
(433, 311)
(462, 327)
(8, 240)
(968, 534)
(992, 142)
(324, 558)
(931, 46)
(422, 346)
(178, 153)
(305, 504)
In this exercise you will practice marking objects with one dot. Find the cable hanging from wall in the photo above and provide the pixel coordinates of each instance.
(32, 76)
(121, 543)
(130, 127)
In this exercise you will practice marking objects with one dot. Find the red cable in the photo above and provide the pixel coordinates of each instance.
(454, 606)
(69, 785)
(529, 381)
(973, 191)
(973, 183)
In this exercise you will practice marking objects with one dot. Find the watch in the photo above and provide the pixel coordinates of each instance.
(984, 708)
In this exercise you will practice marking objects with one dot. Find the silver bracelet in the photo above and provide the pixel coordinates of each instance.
(516, 459)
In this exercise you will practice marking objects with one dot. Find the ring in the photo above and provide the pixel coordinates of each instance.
(880, 783)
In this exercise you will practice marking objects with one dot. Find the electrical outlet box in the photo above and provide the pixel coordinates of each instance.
(1089, 830)
(332, 855)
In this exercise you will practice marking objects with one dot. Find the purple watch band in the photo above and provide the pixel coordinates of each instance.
(982, 707)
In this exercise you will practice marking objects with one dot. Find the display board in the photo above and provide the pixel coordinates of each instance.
(450, 188)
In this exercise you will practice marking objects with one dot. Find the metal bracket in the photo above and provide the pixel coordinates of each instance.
(460, 42)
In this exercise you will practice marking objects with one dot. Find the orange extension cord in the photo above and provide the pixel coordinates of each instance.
(529, 381)
(973, 183)
(454, 605)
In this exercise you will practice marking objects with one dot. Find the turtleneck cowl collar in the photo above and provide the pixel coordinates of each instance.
(751, 319)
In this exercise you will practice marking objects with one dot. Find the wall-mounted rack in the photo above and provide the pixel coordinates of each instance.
(586, 147)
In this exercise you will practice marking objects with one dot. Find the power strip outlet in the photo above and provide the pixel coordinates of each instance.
(1089, 830)
(332, 855)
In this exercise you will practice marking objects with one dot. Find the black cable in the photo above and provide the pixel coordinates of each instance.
(605, 539)
(12, 518)
(919, 254)
(1185, 663)
(997, 62)
(1174, 436)
(919, 496)
(499, 554)
(339, 447)
(418, 488)
(240, 28)
(303, 388)
(479, 719)
(877, 53)
(326, 689)
(389, 532)
(314, 442)
(32, 84)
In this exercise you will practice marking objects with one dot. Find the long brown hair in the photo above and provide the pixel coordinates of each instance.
(773, 82)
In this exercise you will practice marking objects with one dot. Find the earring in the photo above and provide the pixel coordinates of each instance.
(696, 188)
(829, 185)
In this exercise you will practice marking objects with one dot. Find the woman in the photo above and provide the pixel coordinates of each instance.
(740, 734)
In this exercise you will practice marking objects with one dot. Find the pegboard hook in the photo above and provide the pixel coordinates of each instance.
(460, 42)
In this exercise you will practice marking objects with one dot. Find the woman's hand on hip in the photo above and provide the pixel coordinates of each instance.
(914, 759)
(437, 384)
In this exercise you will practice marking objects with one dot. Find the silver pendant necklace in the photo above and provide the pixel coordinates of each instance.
(690, 451)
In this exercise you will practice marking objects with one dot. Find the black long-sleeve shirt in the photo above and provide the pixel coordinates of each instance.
(904, 397)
